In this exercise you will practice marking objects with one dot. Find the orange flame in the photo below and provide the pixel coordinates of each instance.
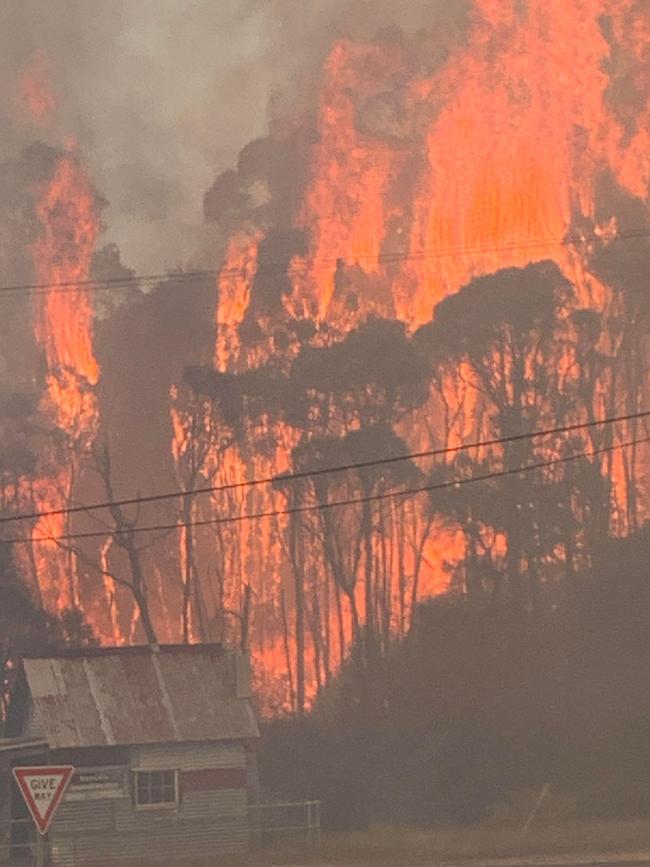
(345, 210)
(631, 159)
(234, 287)
(513, 155)
(64, 319)
(516, 129)
(64, 328)
(36, 92)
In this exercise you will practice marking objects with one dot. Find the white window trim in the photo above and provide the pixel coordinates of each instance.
(163, 805)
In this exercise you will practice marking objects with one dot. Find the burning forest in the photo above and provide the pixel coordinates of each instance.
(431, 273)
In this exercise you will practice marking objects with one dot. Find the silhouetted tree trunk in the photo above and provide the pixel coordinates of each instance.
(299, 602)
(243, 617)
(287, 649)
(125, 539)
(370, 642)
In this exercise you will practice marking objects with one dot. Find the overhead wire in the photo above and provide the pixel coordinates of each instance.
(138, 281)
(322, 471)
(313, 507)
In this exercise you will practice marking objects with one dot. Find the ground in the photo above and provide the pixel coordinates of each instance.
(574, 844)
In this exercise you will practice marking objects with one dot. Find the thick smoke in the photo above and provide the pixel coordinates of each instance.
(161, 96)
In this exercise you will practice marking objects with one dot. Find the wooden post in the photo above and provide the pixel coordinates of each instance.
(40, 850)
(310, 838)
(538, 804)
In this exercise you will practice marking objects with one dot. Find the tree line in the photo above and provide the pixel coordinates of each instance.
(511, 353)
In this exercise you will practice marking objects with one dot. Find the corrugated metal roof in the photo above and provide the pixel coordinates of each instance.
(18, 744)
(139, 696)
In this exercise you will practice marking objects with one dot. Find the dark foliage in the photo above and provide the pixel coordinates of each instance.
(481, 701)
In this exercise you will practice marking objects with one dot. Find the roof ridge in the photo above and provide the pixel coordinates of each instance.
(128, 650)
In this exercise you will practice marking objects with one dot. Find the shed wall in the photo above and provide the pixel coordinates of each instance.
(211, 817)
(186, 757)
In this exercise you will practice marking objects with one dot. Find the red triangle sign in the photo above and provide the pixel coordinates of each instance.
(42, 788)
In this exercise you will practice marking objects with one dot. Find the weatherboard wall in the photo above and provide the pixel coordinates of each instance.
(211, 816)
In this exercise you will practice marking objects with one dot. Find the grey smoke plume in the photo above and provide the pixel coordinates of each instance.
(162, 94)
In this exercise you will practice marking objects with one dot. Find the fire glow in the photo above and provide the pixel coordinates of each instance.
(516, 128)
(419, 179)
(66, 210)
(36, 91)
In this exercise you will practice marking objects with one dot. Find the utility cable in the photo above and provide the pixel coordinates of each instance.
(136, 281)
(307, 474)
(352, 501)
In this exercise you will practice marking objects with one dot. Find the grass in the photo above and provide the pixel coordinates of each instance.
(458, 844)
(400, 847)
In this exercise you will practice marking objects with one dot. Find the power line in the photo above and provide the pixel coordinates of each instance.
(306, 474)
(136, 281)
(277, 513)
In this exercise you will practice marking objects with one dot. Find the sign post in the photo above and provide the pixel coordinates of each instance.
(41, 851)
(42, 789)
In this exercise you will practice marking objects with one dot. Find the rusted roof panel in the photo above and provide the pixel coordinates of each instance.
(138, 696)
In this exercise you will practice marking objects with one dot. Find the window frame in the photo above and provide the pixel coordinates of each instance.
(157, 805)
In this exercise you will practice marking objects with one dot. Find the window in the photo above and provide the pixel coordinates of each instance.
(156, 788)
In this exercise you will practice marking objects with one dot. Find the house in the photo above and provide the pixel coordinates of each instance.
(161, 740)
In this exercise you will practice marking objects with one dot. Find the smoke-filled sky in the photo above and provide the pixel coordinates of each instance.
(162, 94)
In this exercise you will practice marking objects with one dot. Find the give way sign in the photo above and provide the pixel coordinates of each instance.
(42, 789)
